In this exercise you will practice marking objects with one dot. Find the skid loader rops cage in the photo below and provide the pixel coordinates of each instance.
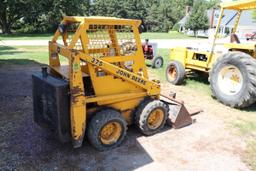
(104, 87)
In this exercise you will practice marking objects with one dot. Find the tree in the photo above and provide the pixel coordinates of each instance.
(213, 4)
(162, 14)
(37, 15)
(254, 14)
(198, 19)
(10, 12)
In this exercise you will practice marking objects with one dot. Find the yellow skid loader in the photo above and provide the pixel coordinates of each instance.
(232, 75)
(103, 86)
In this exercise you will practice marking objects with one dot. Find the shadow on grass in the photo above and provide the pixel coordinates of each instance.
(251, 108)
(6, 62)
(197, 76)
(18, 35)
(2, 48)
(8, 50)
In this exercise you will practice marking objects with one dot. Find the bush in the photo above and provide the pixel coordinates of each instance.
(176, 27)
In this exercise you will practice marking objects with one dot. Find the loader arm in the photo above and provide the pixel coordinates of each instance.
(151, 87)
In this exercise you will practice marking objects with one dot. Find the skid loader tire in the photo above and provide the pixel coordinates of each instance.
(144, 113)
(175, 73)
(109, 120)
(157, 62)
(246, 92)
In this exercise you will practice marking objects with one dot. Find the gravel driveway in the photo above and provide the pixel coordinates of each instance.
(206, 145)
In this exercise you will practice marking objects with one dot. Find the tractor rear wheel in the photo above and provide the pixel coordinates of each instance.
(150, 116)
(157, 62)
(106, 129)
(233, 81)
(175, 73)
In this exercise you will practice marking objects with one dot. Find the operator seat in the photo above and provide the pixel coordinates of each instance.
(234, 38)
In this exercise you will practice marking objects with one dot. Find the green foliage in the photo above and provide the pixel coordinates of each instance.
(213, 4)
(198, 19)
(176, 27)
(160, 16)
(254, 14)
(156, 15)
(164, 13)
(10, 12)
(35, 16)
(45, 15)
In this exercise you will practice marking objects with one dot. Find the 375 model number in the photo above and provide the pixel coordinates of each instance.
(96, 62)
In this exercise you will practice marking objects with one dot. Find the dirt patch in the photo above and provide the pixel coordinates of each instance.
(206, 145)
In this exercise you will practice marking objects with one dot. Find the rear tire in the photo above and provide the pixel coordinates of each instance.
(158, 62)
(107, 129)
(175, 73)
(233, 81)
(151, 116)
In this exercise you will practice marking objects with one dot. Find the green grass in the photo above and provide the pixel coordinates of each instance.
(246, 125)
(148, 35)
(26, 36)
(23, 54)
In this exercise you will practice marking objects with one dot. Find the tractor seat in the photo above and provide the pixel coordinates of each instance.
(234, 38)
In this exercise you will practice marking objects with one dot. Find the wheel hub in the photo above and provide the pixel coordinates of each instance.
(110, 133)
(230, 80)
(172, 73)
(155, 118)
(158, 63)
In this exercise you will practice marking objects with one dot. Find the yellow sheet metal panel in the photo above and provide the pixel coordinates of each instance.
(195, 67)
(246, 46)
(102, 20)
(192, 60)
(179, 54)
(127, 108)
(113, 85)
(240, 5)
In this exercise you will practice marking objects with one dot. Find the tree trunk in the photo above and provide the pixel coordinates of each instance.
(5, 26)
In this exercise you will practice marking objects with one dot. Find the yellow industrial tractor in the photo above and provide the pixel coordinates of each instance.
(102, 87)
(232, 74)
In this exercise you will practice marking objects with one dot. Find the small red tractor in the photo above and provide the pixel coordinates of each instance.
(150, 53)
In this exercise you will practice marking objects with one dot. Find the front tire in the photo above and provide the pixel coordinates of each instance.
(150, 116)
(175, 73)
(107, 129)
(233, 81)
(158, 62)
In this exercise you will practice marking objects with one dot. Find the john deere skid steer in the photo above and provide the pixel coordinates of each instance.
(102, 87)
